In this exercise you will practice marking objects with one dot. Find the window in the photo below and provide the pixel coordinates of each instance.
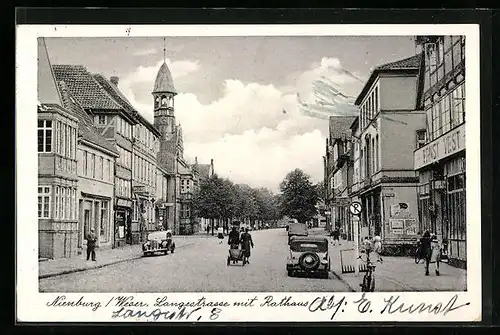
(436, 126)
(101, 168)
(44, 202)
(101, 119)
(73, 203)
(377, 161)
(92, 165)
(104, 221)
(69, 152)
(457, 52)
(445, 113)
(111, 170)
(376, 100)
(56, 205)
(44, 136)
(421, 138)
(458, 105)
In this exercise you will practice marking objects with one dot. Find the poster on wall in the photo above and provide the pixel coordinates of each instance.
(397, 226)
(400, 210)
(411, 227)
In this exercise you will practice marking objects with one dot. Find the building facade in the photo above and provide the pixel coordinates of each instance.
(339, 173)
(389, 124)
(57, 171)
(95, 168)
(440, 157)
(115, 123)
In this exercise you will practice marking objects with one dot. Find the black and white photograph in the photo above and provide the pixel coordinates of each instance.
(331, 163)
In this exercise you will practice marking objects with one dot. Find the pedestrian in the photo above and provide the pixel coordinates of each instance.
(336, 236)
(234, 238)
(220, 234)
(429, 244)
(91, 241)
(246, 245)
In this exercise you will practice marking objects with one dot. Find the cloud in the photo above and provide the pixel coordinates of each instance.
(255, 133)
(145, 52)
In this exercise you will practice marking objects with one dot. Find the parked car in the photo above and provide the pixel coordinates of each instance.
(297, 229)
(158, 241)
(309, 256)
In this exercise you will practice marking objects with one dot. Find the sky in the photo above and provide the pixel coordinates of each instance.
(237, 99)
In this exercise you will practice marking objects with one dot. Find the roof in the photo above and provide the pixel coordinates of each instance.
(164, 81)
(86, 128)
(47, 87)
(84, 88)
(114, 92)
(340, 126)
(410, 64)
(355, 123)
(309, 238)
(203, 170)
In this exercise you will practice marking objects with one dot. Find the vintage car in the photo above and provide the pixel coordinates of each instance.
(158, 241)
(308, 255)
(297, 229)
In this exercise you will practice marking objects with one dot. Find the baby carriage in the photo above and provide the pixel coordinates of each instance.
(235, 255)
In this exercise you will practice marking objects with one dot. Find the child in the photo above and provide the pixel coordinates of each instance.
(377, 247)
(435, 253)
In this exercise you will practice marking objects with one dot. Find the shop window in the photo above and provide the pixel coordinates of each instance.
(104, 222)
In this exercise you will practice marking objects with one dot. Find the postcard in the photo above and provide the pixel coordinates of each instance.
(248, 173)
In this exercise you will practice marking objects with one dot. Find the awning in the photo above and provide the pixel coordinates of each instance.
(94, 196)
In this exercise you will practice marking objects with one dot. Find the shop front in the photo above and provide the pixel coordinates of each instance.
(123, 222)
(95, 211)
(442, 193)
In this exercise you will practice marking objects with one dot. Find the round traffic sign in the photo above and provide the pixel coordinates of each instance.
(355, 208)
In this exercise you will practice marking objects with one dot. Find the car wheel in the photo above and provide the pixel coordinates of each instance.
(326, 274)
(290, 273)
(165, 252)
(228, 260)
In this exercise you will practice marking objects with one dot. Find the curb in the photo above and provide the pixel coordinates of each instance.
(65, 272)
(343, 281)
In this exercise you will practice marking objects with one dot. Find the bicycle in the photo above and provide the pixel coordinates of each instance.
(368, 284)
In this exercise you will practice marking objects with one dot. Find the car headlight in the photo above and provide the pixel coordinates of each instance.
(324, 262)
(146, 244)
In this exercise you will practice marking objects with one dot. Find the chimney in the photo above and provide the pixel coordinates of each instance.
(212, 162)
(196, 160)
(114, 80)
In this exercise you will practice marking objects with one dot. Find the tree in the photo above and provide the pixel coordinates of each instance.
(298, 196)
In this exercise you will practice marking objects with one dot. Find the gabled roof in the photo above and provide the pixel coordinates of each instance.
(86, 128)
(203, 170)
(340, 127)
(47, 87)
(114, 92)
(84, 88)
(410, 64)
(121, 99)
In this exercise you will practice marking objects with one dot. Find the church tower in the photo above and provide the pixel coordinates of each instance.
(164, 117)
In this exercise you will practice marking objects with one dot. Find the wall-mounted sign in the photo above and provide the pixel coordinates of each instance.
(355, 208)
(411, 227)
(442, 147)
(396, 224)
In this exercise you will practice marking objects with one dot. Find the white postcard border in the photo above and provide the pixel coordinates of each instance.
(32, 305)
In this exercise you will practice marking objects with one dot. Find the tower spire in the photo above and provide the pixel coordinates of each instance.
(164, 51)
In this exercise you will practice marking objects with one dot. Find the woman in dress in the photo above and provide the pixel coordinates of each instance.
(246, 245)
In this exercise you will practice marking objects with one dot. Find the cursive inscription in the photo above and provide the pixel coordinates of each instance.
(392, 305)
(156, 314)
(60, 301)
(327, 304)
(285, 302)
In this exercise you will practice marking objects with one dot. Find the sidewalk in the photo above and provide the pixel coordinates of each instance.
(401, 274)
(57, 267)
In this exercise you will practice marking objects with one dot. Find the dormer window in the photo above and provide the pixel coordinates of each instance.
(101, 119)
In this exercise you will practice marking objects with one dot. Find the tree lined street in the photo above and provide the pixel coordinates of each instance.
(199, 267)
